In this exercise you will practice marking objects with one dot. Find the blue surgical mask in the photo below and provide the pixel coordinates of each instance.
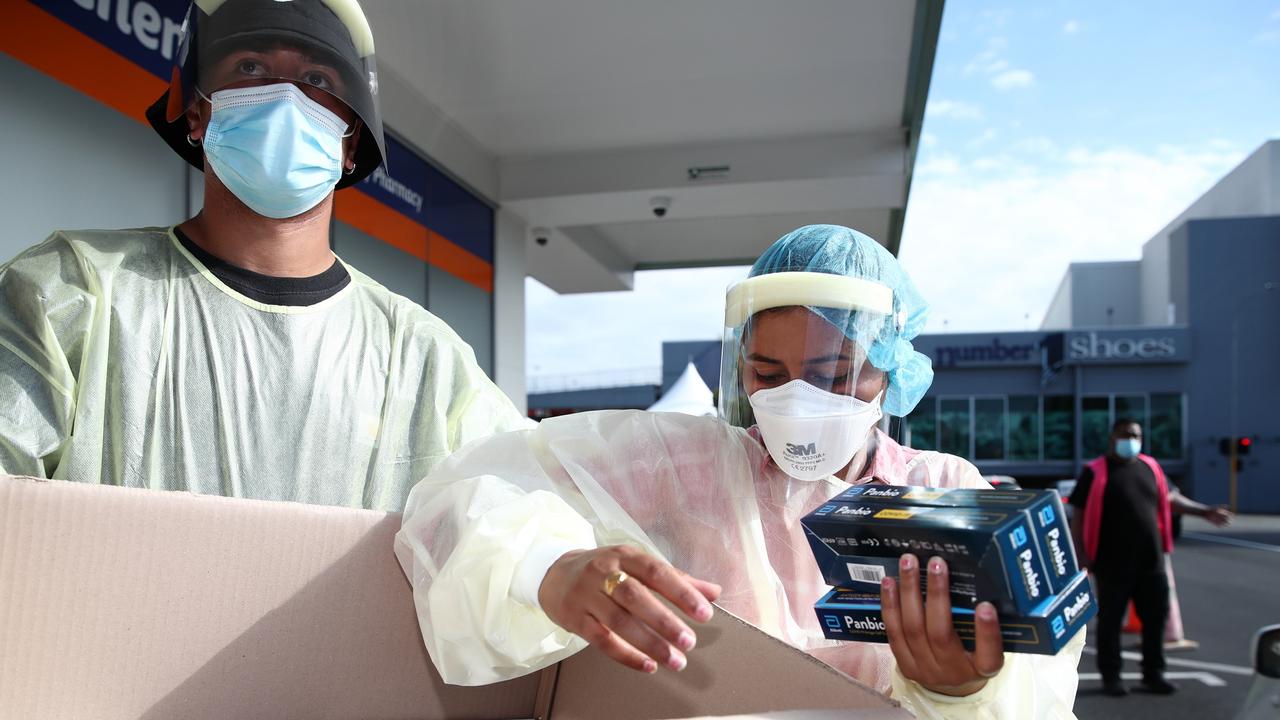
(1128, 448)
(276, 149)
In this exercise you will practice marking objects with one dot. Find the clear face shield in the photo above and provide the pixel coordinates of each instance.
(795, 364)
(324, 48)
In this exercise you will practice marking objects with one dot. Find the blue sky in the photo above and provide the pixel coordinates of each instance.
(1055, 132)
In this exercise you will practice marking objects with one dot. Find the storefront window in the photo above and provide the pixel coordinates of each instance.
(988, 428)
(1164, 433)
(1132, 406)
(1024, 427)
(1095, 424)
(953, 426)
(922, 425)
(1059, 427)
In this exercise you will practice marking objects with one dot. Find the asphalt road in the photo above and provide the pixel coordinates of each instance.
(1229, 586)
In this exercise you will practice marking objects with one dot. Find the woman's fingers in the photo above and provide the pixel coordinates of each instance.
(946, 645)
(914, 626)
(612, 644)
(891, 613)
(668, 582)
(632, 596)
(636, 633)
(988, 652)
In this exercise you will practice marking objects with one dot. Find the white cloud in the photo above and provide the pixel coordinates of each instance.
(1071, 27)
(991, 63)
(987, 136)
(988, 248)
(1013, 80)
(953, 109)
(989, 58)
(928, 139)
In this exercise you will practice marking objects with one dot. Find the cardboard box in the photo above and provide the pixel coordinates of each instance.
(991, 553)
(1044, 507)
(855, 616)
(121, 603)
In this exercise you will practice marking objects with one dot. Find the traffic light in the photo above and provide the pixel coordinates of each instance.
(1243, 445)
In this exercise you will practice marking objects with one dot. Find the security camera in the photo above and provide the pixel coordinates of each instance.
(659, 205)
(540, 236)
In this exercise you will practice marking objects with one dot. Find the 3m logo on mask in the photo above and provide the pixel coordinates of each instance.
(802, 452)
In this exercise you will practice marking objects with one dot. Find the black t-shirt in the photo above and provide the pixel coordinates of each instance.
(268, 289)
(1129, 540)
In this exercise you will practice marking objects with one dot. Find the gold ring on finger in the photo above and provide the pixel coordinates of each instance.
(613, 580)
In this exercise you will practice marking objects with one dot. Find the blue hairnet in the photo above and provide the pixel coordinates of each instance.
(838, 250)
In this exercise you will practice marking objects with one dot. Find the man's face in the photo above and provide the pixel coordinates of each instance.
(314, 74)
(265, 65)
(1128, 431)
(793, 343)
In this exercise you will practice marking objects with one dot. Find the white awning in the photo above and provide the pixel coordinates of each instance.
(689, 395)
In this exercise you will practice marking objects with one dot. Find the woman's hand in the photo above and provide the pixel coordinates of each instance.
(625, 619)
(923, 640)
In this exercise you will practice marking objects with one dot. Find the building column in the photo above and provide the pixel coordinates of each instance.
(510, 235)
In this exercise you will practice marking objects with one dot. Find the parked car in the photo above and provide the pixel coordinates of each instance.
(1002, 482)
(1263, 700)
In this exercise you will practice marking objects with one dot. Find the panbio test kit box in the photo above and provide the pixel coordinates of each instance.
(1044, 508)
(854, 615)
(120, 603)
(991, 553)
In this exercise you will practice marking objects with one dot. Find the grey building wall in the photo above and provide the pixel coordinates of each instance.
(704, 354)
(397, 270)
(1058, 316)
(633, 397)
(1106, 294)
(1230, 261)
(468, 310)
(57, 143)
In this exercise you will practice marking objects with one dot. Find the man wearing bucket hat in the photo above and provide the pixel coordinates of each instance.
(526, 546)
(234, 353)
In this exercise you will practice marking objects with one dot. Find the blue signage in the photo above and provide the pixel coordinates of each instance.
(147, 32)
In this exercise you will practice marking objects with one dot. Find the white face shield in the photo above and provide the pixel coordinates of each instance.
(795, 364)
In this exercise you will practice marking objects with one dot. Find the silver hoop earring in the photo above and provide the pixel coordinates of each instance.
(192, 142)
(349, 171)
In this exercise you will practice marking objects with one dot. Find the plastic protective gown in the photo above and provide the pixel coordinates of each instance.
(702, 494)
(124, 361)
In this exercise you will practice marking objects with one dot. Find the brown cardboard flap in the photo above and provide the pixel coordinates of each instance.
(122, 603)
(735, 669)
(119, 603)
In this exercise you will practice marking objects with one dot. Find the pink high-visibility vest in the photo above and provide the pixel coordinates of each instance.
(1093, 506)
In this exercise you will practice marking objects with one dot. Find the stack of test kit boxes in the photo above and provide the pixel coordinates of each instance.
(1008, 547)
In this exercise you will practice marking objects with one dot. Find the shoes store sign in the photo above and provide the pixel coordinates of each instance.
(1055, 349)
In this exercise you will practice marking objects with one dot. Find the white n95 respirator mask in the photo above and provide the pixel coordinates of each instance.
(811, 433)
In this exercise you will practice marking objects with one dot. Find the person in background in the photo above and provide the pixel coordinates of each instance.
(234, 354)
(525, 547)
(1123, 522)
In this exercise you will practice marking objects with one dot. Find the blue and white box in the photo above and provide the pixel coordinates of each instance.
(855, 616)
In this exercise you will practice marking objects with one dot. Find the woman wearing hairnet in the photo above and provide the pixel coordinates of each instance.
(524, 547)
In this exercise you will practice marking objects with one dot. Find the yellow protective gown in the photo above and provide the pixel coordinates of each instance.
(480, 531)
(124, 361)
